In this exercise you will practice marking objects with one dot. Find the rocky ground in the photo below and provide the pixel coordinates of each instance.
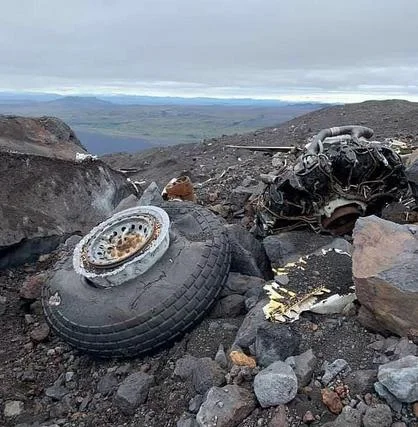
(323, 369)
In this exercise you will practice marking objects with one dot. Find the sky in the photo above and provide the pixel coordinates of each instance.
(315, 50)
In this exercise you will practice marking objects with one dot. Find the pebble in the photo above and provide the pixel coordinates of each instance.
(378, 416)
(225, 407)
(275, 385)
(107, 384)
(333, 369)
(308, 417)
(32, 286)
(3, 302)
(195, 403)
(40, 333)
(13, 408)
(331, 400)
(220, 357)
(133, 391)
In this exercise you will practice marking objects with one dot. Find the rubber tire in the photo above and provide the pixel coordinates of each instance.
(157, 307)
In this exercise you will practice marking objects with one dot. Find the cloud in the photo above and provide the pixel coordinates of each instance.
(261, 48)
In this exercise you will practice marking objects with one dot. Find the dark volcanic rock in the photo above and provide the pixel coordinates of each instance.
(68, 198)
(275, 341)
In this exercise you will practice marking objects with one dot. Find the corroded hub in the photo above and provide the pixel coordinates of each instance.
(123, 247)
(120, 241)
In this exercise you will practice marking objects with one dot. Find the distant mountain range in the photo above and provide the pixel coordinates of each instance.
(115, 123)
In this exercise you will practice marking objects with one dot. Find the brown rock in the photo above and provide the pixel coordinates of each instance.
(32, 286)
(331, 400)
(240, 359)
(308, 417)
(279, 418)
(385, 271)
(40, 333)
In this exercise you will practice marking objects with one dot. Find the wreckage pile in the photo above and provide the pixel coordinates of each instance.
(306, 329)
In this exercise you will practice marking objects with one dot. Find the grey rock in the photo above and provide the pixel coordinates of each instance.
(229, 306)
(225, 407)
(290, 246)
(206, 374)
(405, 347)
(133, 391)
(151, 196)
(71, 243)
(400, 378)
(247, 332)
(248, 255)
(303, 365)
(361, 381)
(40, 333)
(240, 284)
(390, 399)
(378, 416)
(107, 384)
(275, 341)
(250, 303)
(348, 417)
(185, 366)
(56, 391)
(187, 421)
(13, 408)
(195, 403)
(333, 369)
(69, 376)
(220, 357)
(128, 202)
(3, 301)
(275, 385)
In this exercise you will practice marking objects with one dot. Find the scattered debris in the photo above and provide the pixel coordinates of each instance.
(85, 157)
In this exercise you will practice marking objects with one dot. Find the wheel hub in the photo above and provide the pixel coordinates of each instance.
(123, 247)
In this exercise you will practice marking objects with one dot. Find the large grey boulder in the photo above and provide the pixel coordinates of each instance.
(385, 271)
(45, 200)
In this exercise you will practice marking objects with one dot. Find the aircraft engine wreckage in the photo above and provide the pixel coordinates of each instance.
(338, 177)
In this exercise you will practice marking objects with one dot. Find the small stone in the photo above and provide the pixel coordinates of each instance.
(13, 408)
(69, 376)
(279, 418)
(206, 374)
(229, 306)
(151, 196)
(107, 384)
(185, 366)
(56, 391)
(378, 416)
(348, 417)
(133, 391)
(303, 366)
(236, 404)
(40, 333)
(187, 421)
(3, 301)
(195, 403)
(275, 342)
(275, 385)
(333, 369)
(308, 417)
(32, 286)
(331, 400)
(220, 357)
(239, 358)
(400, 378)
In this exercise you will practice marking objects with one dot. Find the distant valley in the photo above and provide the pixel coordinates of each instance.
(117, 124)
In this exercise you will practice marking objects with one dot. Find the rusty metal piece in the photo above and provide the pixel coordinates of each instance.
(179, 188)
(342, 220)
